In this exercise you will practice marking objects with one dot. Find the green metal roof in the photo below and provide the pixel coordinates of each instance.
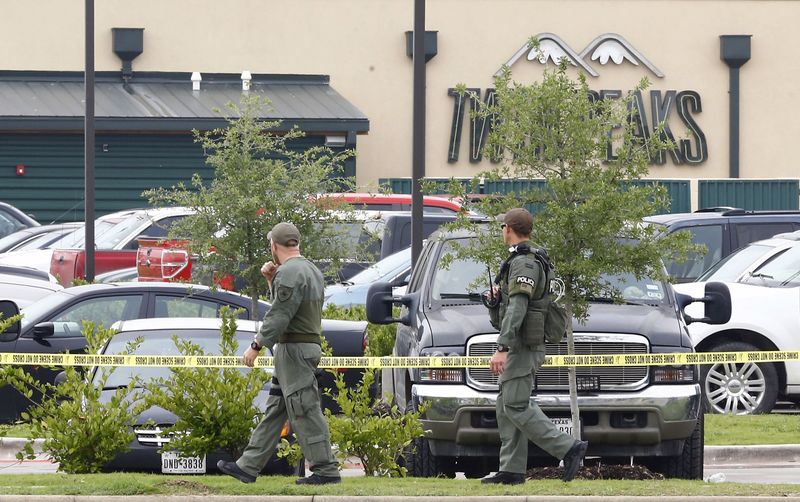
(156, 101)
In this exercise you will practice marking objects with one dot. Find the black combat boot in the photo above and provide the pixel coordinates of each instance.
(505, 478)
(573, 459)
(316, 479)
(231, 469)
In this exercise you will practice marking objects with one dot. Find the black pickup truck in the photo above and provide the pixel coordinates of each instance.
(649, 413)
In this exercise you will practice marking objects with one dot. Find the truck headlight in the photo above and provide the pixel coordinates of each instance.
(674, 374)
(441, 375)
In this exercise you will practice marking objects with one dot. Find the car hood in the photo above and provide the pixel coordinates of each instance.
(452, 325)
(38, 259)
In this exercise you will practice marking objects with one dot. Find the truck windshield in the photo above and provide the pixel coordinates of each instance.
(465, 278)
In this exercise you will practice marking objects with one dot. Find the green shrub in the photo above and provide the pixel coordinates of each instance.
(80, 431)
(371, 430)
(214, 406)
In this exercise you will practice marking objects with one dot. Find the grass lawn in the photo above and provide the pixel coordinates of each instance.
(752, 429)
(153, 484)
(720, 429)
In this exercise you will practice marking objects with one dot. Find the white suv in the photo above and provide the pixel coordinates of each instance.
(765, 299)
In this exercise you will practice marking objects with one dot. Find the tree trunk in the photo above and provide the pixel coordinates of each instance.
(572, 372)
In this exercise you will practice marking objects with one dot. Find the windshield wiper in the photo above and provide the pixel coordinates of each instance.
(760, 275)
(621, 301)
(466, 296)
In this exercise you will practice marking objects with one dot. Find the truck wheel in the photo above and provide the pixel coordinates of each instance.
(421, 463)
(687, 465)
(739, 388)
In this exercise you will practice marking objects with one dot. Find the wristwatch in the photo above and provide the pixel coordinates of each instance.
(502, 348)
(254, 345)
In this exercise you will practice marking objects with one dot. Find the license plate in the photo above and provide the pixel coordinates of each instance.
(173, 462)
(563, 424)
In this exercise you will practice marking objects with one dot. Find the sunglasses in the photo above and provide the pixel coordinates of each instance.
(502, 226)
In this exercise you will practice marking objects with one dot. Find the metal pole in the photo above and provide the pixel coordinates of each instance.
(418, 148)
(89, 142)
(734, 122)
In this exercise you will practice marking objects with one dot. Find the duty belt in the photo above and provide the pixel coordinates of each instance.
(299, 338)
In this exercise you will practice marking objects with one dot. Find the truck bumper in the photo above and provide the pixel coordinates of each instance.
(652, 421)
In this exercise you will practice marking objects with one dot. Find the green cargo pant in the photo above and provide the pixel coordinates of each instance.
(519, 420)
(302, 408)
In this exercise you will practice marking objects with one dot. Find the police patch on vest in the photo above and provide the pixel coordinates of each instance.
(526, 280)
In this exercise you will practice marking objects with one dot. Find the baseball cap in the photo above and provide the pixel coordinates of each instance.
(283, 233)
(520, 220)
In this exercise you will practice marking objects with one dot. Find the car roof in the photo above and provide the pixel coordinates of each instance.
(178, 287)
(181, 323)
(427, 200)
(721, 214)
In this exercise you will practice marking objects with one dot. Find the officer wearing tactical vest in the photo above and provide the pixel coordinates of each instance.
(295, 323)
(520, 353)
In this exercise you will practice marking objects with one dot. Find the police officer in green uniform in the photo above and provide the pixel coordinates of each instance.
(520, 353)
(294, 326)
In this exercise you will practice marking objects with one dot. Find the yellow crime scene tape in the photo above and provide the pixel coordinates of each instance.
(676, 358)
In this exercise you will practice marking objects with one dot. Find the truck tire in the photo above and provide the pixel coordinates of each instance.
(420, 462)
(687, 465)
(738, 388)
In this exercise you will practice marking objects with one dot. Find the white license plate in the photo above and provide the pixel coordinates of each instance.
(563, 424)
(173, 462)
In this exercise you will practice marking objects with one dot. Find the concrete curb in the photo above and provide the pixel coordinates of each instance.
(375, 498)
(755, 454)
(10, 446)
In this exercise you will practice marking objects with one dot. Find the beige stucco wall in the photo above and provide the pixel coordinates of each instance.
(361, 44)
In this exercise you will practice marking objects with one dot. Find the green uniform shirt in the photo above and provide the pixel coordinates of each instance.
(298, 294)
(522, 283)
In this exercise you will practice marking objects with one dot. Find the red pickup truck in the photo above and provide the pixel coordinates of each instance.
(116, 248)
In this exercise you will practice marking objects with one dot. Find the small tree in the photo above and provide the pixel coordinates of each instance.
(588, 212)
(215, 406)
(258, 181)
(82, 430)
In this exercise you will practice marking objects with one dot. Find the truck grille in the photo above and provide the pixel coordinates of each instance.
(152, 436)
(548, 378)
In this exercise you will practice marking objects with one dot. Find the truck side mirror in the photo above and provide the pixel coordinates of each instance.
(380, 302)
(717, 303)
(9, 309)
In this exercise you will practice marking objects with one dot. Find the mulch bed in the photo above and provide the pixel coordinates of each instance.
(598, 471)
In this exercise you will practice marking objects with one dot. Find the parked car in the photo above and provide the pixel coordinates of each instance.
(40, 258)
(394, 269)
(12, 219)
(722, 231)
(156, 338)
(53, 324)
(25, 285)
(37, 237)
(651, 413)
(116, 248)
(382, 233)
(766, 316)
(744, 260)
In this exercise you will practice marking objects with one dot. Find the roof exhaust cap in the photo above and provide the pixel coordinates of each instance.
(246, 79)
(127, 44)
(196, 79)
